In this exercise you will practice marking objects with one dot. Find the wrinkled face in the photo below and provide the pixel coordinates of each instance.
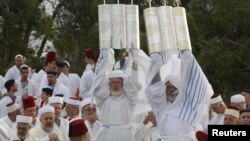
(30, 112)
(89, 113)
(47, 121)
(24, 74)
(230, 120)
(116, 83)
(51, 79)
(244, 118)
(22, 130)
(58, 109)
(171, 91)
(19, 61)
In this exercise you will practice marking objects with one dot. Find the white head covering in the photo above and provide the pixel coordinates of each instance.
(85, 102)
(72, 101)
(12, 107)
(46, 109)
(232, 112)
(67, 63)
(216, 99)
(237, 98)
(171, 71)
(19, 56)
(115, 73)
(24, 119)
(55, 99)
(24, 66)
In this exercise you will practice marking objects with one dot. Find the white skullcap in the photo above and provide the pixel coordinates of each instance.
(12, 107)
(46, 109)
(19, 56)
(115, 73)
(67, 63)
(55, 99)
(24, 66)
(237, 98)
(72, 101)
(85, 102)
(216, 99)
(171, 71)
(24, 119)
(232, 112)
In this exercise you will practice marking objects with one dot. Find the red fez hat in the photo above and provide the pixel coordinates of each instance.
(89, 53)
(201, 136)
(51, 56)
(28, 101)
(215, 95)
(77, 128)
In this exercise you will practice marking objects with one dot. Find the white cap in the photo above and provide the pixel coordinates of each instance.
(85, 102)
(24, 119)
(19, 56)
(232, 112)
(67, 63)
(216, 99)
(72, 101)
(24, 66)
(115, 73)
(12, 107)
(55, 99)
(46, 109)
(237, 98)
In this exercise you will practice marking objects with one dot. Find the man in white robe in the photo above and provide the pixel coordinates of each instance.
(9, 97)
(9, 120)
(46, 130)
(88, 110)
(23, 125)
(25, 85)
(61, 123)
(179, 93)
(218, 109)
(72, 108)
(115, 95)
(14, 72)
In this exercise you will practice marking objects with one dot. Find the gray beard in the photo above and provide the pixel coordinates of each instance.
(116, 93)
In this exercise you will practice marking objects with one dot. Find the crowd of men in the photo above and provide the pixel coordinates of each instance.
(56, 105)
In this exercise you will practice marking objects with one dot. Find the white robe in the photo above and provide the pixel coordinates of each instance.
(4, 132)
(93, 128)
(8, 124)
(62, 78)
(217, 119)
(40, 75)
(2, 81)
(12, 73)
(3, 104)
(59, 88)
(86, 83)
(147, 133)
(74, 81)
(64, 127)
(38, 134)
(114, 127)
(177, 121)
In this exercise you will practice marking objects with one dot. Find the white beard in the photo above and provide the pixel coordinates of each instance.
(116, 93)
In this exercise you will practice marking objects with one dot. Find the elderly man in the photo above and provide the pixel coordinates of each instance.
(9, 120)
(61, 123)
(179, 93)
(46, 130)
(92, 122)
(23, 125)
(78, 130)
(115, 93)
(218, 107)
(231, 116)
(13, 72)
(238, 101)
(72, 108)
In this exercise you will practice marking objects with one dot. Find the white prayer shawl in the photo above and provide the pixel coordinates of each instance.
(3, 104)
(38, 134)
(217, 119)
(31, 88)
(114, 127)
(177, 120)
(86, 83)
(12, 73)
(74, 81)
(93, 128)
